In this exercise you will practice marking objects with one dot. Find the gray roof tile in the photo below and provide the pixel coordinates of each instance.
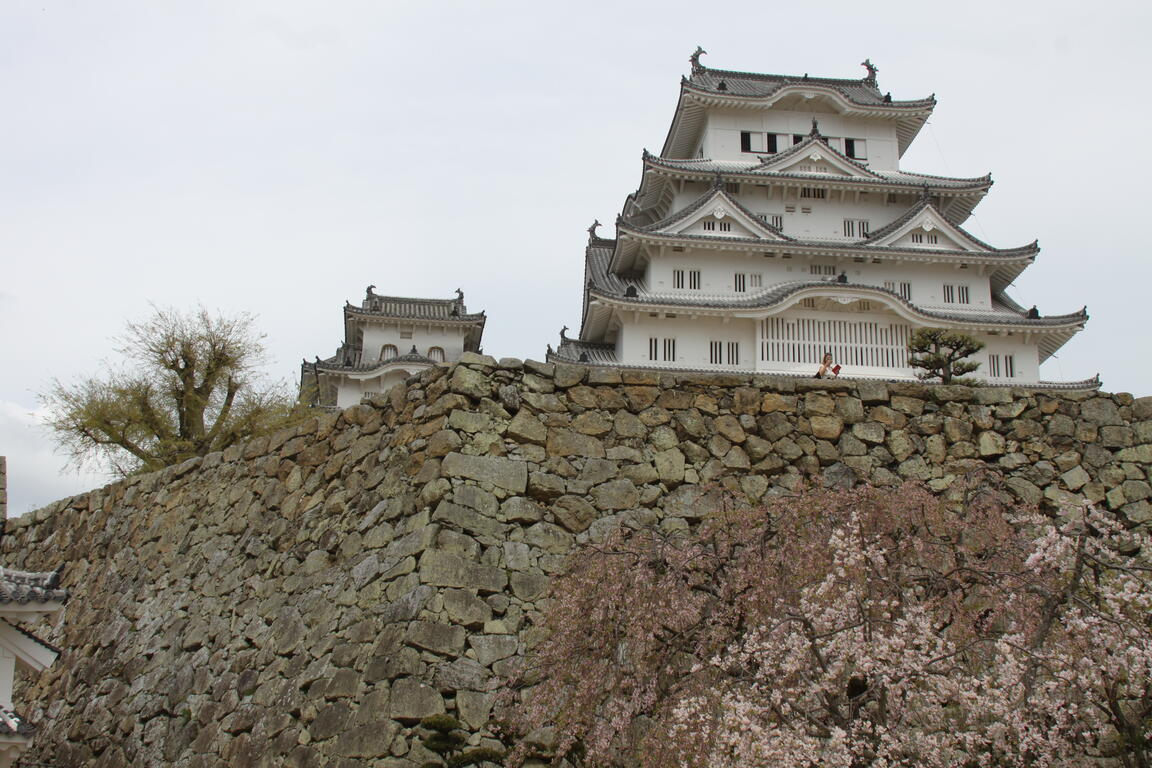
(609, 286)
(24, 587)
(751, 84)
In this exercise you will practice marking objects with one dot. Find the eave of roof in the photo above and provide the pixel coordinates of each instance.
(475, 318)
(845, 248)
(777, 294)
(705, 168)
(370, 369)
(31, 636)
(24, 587)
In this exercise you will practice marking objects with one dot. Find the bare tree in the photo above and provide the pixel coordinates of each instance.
(188, 385)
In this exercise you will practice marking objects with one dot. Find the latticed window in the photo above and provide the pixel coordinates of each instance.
(388, 351)
(661, 349)
(851, 342)
(904, 289)
(956, 294)
(724, 352)
(436, 354)
(1001, 366)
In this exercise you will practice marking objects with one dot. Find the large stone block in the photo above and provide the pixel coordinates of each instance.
(574, 513)
(670, 465)
(550, 538)
(368, 741)
(445, 569)
(445, 639)
(826, 427)
(501, 472)
(413, 700)
(470, 382)
(491, 648)
(565, 442)
(468, 520)
(617, 494)
(464, 607)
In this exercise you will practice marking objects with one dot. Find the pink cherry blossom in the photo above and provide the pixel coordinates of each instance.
(842, 629)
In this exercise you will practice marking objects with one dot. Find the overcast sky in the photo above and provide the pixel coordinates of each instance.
(277, 157)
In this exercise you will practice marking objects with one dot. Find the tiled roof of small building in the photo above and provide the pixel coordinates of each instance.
(416, 309)
(28, 586)
(864, 92)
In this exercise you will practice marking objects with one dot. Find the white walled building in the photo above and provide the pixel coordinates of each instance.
(24, 597)
(776, 225)
(386, 340)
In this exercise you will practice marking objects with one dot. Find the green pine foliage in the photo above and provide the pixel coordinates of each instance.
(940, 353)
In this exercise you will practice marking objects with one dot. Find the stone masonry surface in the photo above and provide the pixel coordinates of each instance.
(304, 599)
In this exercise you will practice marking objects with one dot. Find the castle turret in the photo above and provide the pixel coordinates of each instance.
(386, 340)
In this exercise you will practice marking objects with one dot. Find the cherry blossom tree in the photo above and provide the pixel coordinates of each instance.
(871, 627)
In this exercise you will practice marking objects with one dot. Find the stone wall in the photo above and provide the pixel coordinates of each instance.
(304, 599)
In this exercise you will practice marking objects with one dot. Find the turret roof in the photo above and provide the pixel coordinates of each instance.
(450, 310)
(862, 92)
(727, 88)
(23, 587)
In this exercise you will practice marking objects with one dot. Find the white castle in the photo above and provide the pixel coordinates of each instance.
(776, 226)
(386, 340)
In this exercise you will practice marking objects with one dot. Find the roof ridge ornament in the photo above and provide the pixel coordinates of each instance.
(718, 181)
(697, 67)
(872, 70)
(592, 230)
(815, 132)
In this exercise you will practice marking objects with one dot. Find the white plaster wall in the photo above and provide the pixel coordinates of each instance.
(376, 335)
(721, 140)
(718, 268)
(351, 391)
(693, 335)
(1026, 358)
(809, 219)
(692, 341)
(7, 675)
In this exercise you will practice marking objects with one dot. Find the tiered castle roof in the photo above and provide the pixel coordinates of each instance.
(662, 217)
